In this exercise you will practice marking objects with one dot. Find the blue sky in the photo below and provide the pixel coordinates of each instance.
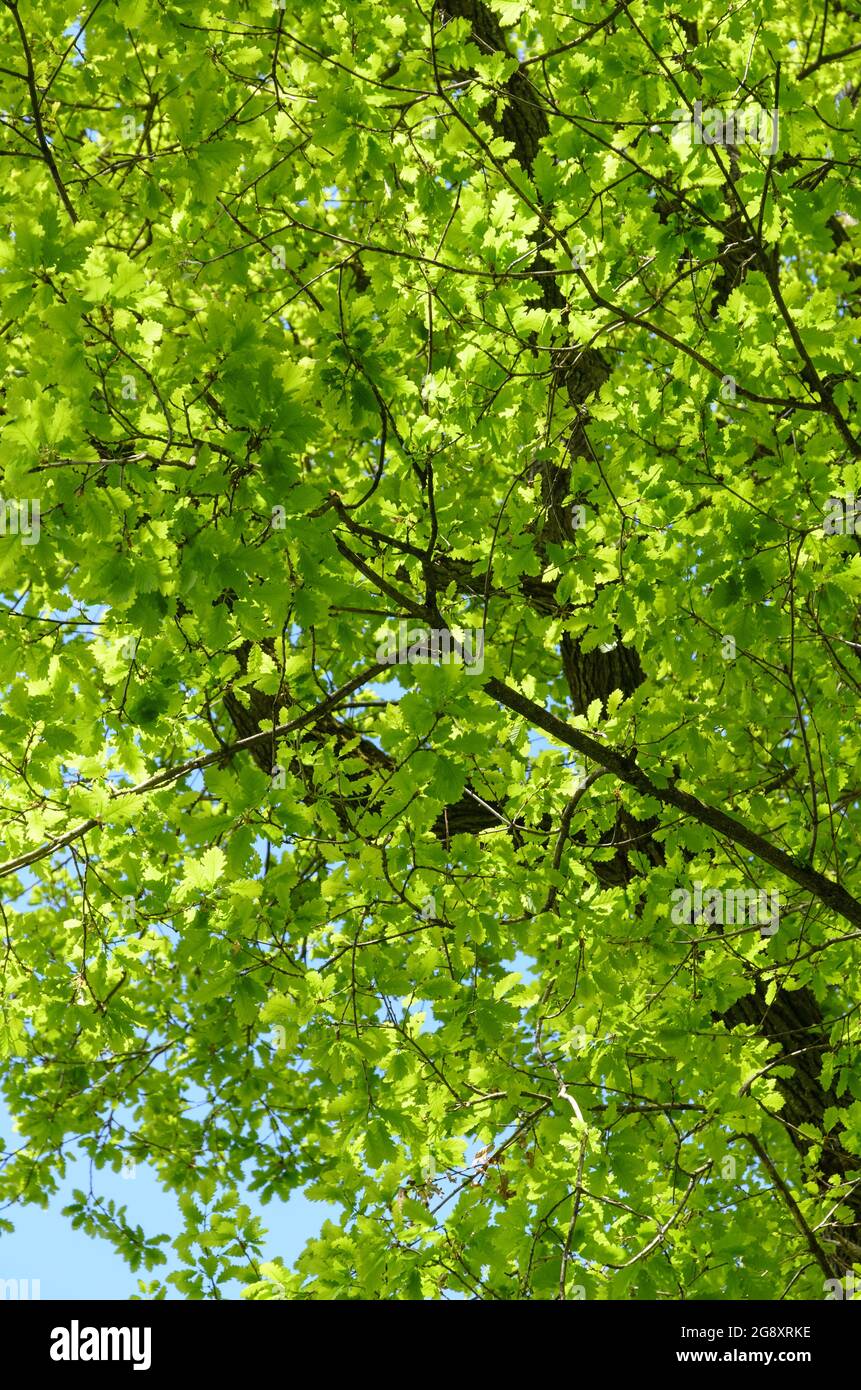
(71, 1264)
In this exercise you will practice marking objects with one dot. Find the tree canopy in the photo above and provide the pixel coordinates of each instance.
(429, 744)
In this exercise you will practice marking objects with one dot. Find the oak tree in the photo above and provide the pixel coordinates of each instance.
(331, 331)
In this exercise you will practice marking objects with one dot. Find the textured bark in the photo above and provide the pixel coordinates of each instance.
(596, 674)
(794, 1026)
(524, 119)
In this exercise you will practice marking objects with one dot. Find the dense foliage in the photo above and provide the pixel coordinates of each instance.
(429, 440)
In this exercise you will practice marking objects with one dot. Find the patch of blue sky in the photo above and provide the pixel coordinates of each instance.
(77, 32)
(71, 1264)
